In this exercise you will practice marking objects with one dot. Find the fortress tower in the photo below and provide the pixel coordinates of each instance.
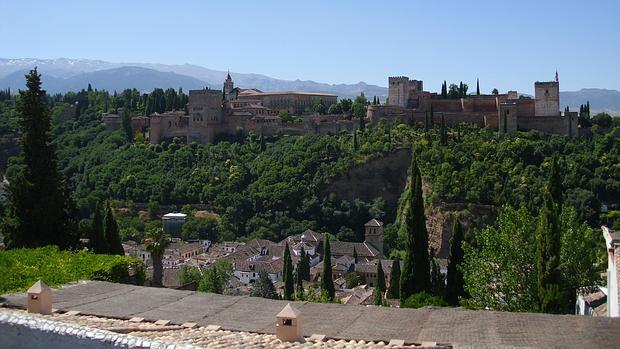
(401, 90)
(374, 234)
(205, 115)
(547, 98)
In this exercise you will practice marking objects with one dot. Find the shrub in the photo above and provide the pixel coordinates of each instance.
(23, 267)
(423, 299)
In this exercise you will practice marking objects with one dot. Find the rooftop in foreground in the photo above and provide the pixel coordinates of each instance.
(455, 326)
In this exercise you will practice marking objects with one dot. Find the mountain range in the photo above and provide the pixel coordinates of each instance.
(65, 74)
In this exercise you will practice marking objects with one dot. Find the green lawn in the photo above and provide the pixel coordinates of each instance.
(20, 268)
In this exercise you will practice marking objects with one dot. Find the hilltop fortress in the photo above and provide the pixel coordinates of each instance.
(507, 113)
(213, 114)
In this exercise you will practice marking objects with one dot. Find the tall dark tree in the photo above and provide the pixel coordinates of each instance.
(438, 281)
(327, 283)
(555, 182)
(380, 288)
(299, 281)
(444, 90)
(477, 87)
(126, 123)
(354, 254)
(113, 239)
(289, 286)
(40, 211)
(394, 290)
(443, 133)
(304, 263)
(98, 242)
(416, 271)
(455, 289)
(548, 258)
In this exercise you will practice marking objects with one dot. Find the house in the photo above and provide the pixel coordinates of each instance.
(612, 244)
(369, 271)
(591, 301)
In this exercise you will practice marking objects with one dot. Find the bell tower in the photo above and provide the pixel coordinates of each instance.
(374, 234)
(229, 85)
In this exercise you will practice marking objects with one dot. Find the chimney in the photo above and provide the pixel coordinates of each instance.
(39, 299)
(289, 325)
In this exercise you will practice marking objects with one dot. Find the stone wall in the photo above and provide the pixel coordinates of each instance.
(550, 124)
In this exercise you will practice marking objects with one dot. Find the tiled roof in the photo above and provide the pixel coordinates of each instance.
(363, 249)
(373, 223)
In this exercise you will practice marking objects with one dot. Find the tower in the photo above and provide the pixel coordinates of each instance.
(229, 85)
(547, 98)
(373, 230)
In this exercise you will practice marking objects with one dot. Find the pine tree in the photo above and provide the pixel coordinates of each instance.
(455, 284)
(98, 243)
(416, 272)
(39, 209)
(380, 289)
(289, 287)
(394, 290)
(327, 283)
(113, 240)
(354, 254)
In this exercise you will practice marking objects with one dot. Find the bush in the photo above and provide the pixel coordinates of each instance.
(423, 299)
(23, 267)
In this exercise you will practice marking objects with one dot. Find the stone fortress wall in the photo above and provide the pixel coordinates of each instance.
(409, 103)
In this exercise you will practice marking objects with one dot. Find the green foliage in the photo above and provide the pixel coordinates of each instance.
(112, 237)
(380, 288)
(263, 287)
(98, 242)
(327, 283)
(501, 269)
(354, 278)
(204, 228)
(216, 278)
(189, 274)
(23, 267)
(156, 242)
(423, 299)
(304, 265)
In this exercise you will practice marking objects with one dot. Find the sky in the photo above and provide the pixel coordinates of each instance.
(505, 44)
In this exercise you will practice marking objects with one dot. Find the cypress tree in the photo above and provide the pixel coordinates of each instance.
(39, 209)
(354, 254)
(555, 182)
(126, 123)
(548, 258)
(477, 87)
(394, 290)
(443, 134)
(98, 242)
(304, 262)
(437, 280)
(356, 143)
(299, 291)
(455, 283)
(327, 283)
(113, 240)
(416, 271)
(288, 274)
(362, 123)
(380, 289)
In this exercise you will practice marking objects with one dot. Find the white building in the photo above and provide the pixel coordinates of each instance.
(612, 245)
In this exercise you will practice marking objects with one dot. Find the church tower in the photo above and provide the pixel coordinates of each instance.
(228, 87)
(374, 234)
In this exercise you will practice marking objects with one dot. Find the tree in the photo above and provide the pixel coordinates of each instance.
(394, 290)
(380, 288)
(98, 241)
(453, 91)
(443, 134)
(304, 264)
(444, 90)
(477, 87)
(416, 271)
(354, 278)
(354, 254)
(359, 109)
(126, 123)
(40, 211)
(455, 287)
(216, 277)
(113, 240)
(188, 275)
(548, 258)
(495, 92)
(327, 283)
(299, 281)
(438, 281)
(156, 243)
(263, 287)
(554, 185)
(289, 286)
(319, 107)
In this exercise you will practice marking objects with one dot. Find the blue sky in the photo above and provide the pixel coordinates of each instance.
(506, 44)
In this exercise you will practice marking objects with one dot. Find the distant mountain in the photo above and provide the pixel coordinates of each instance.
(601, 100)
(66, 68)
(116, 79)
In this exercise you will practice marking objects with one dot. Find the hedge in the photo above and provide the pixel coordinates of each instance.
(20, 268)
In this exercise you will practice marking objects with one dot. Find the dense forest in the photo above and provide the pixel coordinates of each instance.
(270, 188)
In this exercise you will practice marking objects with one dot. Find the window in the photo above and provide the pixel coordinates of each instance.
(287, 322)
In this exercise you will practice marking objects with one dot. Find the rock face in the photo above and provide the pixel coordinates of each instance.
(383, 177)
